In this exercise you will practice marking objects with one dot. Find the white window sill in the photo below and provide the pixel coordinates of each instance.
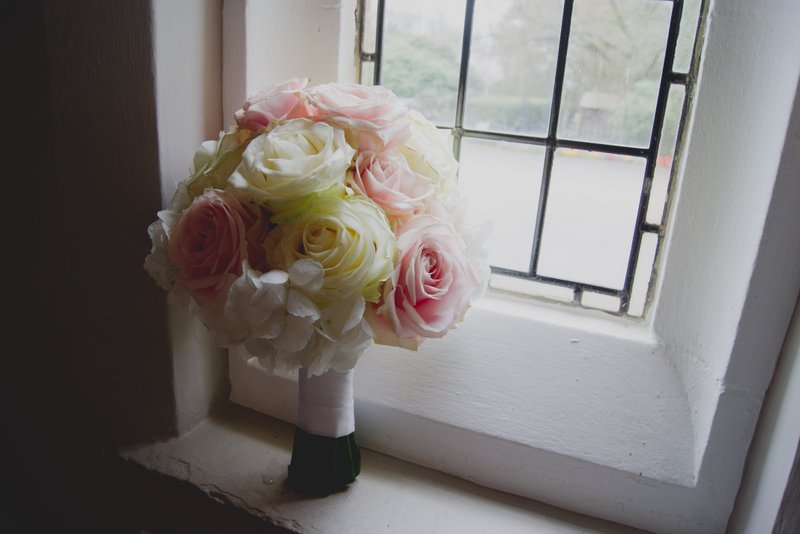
(444, 388)
(241, 457)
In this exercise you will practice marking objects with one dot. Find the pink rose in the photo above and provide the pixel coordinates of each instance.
(371, 115)
(216, 233)
(280, 102)
(430, 289)
(386, 178)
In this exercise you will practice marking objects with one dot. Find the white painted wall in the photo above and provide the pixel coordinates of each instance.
(187, 50)
(775, 445)
(259, 52)
(773, 452)
(737, 137)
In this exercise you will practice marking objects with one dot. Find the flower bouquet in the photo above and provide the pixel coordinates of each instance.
(326, 219)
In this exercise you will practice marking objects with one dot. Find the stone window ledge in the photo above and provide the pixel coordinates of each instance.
(239, 457)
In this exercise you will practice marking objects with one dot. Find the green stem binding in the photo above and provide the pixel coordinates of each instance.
(322, 465)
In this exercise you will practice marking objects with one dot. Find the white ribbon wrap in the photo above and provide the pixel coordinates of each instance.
(325, 403)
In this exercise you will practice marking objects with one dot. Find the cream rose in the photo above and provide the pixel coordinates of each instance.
(349, 236)
(215, 161)
(429, 152)
(292, 161)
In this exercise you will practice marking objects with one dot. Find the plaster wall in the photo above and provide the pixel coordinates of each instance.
(739, 91)
(258, 52)
(774, 447)
(187, 51)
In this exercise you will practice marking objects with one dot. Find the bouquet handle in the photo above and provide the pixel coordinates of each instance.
(325, 456)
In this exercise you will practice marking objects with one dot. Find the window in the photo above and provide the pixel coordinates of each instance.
(643, 423)
(565, 117)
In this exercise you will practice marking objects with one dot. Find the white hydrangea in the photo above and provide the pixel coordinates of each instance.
(157, 263)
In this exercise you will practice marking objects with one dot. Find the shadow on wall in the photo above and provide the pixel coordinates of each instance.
(88, 367)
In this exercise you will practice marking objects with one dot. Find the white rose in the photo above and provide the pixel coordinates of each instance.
(213, 164)
(350, 237)
(282, 167)
(429, 152)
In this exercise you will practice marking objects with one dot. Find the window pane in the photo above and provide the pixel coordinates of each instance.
(422, 55)
(666, 153)
(369, 20)
(589, 221)
(367, 72)
(501, 182)
(600, 301)
(512, 65)
(614, 62)
(685, 45)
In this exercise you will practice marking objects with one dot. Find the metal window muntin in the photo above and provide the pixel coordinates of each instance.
(552, 142)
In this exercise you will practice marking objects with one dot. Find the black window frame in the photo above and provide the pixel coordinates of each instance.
(551, 142)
